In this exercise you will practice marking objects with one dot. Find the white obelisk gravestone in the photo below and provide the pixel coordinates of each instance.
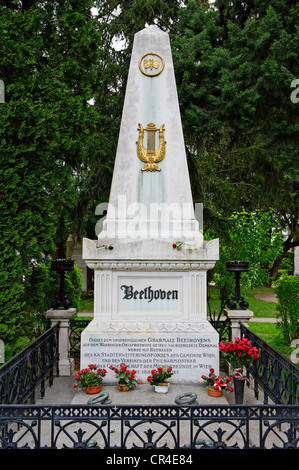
(150, 297)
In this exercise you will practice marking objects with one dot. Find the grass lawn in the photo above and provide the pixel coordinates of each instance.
(271, 334)
(87, 306)
(260, 308)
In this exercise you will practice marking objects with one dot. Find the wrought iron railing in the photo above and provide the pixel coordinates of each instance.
(76, 327)
(140, 426)
(277, 376)
(21, 375)
(149, 427)
(223, 328)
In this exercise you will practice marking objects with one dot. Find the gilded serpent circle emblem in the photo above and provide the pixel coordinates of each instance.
(151, 64)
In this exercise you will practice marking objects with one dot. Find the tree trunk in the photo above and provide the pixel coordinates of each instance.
(287, 245)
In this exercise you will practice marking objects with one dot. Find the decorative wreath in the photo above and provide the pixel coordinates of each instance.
(100, 398)
(186, 399)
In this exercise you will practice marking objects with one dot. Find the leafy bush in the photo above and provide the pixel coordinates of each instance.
(252, 237)
(287, 293)
(36, 291)
(43, 285)
(287, 265)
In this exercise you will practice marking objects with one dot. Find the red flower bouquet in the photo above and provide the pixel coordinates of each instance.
(89, 377)
(160, 375)
(125, 376)
(218, 383)
(239, 353)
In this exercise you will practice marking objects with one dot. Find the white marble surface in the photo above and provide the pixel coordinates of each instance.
(151, 99)
(150, 298)
(190, 348)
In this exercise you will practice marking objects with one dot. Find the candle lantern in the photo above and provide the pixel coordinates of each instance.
(237, 301)
(61, 301)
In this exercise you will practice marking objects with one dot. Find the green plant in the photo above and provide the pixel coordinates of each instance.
(73, 286)
(42, 284)
(89, 377)
(251, 237)
(287, 264)
(125, 376)
(159, 375)
(46, 125)
(287, 293)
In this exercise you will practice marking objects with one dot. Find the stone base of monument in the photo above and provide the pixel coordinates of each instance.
(191, 348)
(150, 309)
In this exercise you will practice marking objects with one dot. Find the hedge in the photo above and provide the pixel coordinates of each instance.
(287, 293)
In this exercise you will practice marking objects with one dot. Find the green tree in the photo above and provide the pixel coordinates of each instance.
(57, 149)
(287, 292)
(251, 237)
(235, 63)
(50, 52)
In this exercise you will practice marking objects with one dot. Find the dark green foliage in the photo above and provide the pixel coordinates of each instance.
(49, 53)
(57, 149)
(287, 293)
(248, 237)
(287, 265)
(234, 65)
(43, 284)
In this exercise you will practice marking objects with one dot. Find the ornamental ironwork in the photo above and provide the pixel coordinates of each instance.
(61, 301)
(149, 427)
(237, 301)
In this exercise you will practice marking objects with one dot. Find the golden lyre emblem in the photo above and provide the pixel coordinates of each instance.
(150, 155)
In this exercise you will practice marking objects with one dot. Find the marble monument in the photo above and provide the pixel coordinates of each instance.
(150, 259)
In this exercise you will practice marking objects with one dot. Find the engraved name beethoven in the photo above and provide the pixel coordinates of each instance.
(149, 294)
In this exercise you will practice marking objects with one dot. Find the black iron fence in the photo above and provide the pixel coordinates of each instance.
(223, 329)
(149, 427)
(76, 327)
(145, 427)
(274, 373)
(21, 375)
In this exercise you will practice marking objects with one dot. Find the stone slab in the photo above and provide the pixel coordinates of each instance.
(145, 395)
(191, 349)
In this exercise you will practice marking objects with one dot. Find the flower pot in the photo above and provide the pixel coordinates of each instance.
(124, 387)
(93, 389)
(239, 390)
(162, 387)
(214, 393)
